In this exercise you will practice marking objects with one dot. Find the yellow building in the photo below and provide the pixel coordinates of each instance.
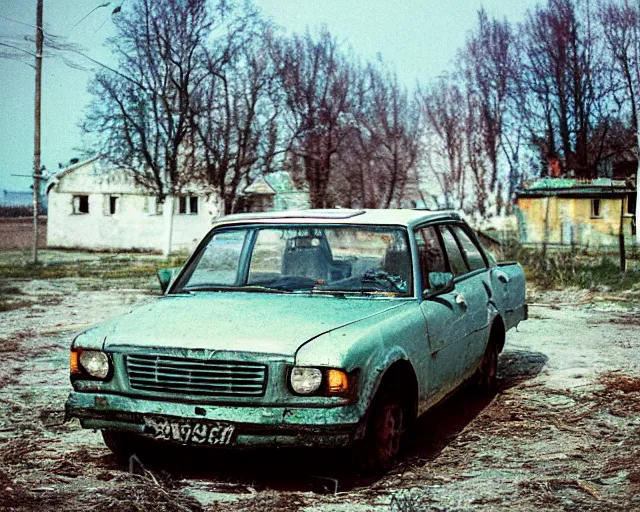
(569, 212)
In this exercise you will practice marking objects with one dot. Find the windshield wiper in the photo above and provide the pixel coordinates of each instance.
(245, 288)
(356, 291)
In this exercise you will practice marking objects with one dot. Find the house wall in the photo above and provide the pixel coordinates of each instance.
(135, 225)
(570, 221)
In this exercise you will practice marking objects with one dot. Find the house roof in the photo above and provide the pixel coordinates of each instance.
(71, 168)
(55, 179)
(563, 187)
(260, 186)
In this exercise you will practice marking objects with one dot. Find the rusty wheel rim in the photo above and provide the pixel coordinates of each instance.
(390, 433)
(489, 367)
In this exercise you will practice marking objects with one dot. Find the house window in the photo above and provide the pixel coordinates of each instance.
(188, 205)
(595, 209)
(113, 205)
(152, 206)
(80, 204)
(631, 204)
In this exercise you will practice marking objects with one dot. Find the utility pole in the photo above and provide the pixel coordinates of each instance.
(637, 66)
(36, 139)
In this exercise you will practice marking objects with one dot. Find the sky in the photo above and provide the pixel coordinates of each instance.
(417, 38)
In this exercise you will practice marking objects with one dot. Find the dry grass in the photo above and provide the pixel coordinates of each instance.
(626, 384)
(32, 479)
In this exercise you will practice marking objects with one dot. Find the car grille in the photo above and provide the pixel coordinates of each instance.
(196, 376)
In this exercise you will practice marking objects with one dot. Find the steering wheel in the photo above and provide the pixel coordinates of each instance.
(377, 275)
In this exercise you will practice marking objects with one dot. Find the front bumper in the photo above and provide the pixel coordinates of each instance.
(254, 426)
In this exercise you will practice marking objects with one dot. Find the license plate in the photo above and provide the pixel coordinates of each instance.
(212, 433)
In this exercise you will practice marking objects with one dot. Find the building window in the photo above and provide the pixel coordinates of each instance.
(631, 204)
(80, 204)
(153, 206)
(188, 205)
(112, 205)
(595, 209)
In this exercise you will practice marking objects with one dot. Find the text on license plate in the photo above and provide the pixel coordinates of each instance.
(186, 432)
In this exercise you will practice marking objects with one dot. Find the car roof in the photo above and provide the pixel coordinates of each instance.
(391, 217)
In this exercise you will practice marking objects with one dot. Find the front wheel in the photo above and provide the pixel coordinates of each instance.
(486, 378)
(384, 434)
(122, 444)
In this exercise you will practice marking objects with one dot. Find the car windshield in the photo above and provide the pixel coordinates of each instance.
(302, 259)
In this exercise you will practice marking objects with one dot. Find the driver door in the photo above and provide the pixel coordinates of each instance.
(443, 315)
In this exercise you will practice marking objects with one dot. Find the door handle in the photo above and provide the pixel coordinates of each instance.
(460, 300)
(502, 277)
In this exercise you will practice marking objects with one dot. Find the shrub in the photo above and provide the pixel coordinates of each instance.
(562, 268)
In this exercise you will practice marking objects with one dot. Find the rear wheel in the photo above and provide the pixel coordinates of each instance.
(487, 373)
(384, 433)
(122, 444)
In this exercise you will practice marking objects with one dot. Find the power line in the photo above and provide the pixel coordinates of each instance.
(115, 11)
(106, 4)
(17, 48)
(17, 21)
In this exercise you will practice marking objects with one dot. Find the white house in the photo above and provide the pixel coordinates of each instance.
(93, 208)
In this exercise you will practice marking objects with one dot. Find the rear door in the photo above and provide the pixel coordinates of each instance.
(508, 283)
(475, 290)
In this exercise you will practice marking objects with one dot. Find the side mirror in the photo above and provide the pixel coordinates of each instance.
(165, 276)
(440, 282)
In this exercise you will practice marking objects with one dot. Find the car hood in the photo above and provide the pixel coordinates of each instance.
(235, 321)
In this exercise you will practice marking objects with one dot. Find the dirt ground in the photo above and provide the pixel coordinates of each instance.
(17, 233)
(563, 432)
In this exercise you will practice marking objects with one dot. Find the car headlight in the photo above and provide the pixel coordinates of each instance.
(95, 363)
(305, 380)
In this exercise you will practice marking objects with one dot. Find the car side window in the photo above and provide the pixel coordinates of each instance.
(430, 254)
(456, 260)
(471, 250)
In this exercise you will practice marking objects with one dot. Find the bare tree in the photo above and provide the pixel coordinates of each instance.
(139, 119)
(445, 135)
(388, 121)
(621, 24)
(561, 72)
(315, 78)
(487, 61)
(235, 114)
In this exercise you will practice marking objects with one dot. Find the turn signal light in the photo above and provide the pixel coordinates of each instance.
(337, 381)
(74, 362)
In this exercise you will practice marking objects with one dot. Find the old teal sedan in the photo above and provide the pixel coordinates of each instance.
(311, 328)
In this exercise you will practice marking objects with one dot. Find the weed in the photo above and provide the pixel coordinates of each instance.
(10, 290)
(101, 268)
(10, 305)
(562, 269)
(412, 501)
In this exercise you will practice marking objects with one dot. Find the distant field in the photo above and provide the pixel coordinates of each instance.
(17, 233)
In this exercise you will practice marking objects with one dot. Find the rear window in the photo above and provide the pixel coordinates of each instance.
(471, 251)
(456, 260)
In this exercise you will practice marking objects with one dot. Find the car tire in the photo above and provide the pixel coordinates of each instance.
(384, 434)
(486, 378)
(122, 444)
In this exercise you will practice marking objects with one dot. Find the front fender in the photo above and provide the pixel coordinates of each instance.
(360, 346)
